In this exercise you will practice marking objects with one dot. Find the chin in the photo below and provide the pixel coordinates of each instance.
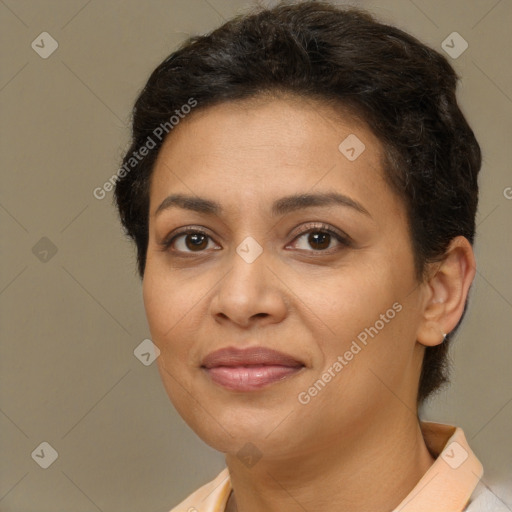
(227, 428)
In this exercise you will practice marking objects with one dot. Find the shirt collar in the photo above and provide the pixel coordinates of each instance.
(445, 487)
(449, 482)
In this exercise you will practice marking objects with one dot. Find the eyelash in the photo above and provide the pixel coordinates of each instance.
(342, 238)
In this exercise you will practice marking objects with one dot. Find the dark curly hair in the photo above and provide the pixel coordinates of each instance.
(403, 90)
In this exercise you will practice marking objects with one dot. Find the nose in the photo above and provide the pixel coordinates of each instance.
(250, 293)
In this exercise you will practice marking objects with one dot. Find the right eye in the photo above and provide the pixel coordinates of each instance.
(189, 240)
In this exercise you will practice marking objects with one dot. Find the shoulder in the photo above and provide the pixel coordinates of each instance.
(211, 497)
(484, 500)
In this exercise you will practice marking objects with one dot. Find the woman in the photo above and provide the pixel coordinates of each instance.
(302, 189)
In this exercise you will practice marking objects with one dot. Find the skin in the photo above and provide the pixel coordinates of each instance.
(361, 431)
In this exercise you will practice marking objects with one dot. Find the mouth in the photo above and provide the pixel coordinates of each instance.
(249, 369)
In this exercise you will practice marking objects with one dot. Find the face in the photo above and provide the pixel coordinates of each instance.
(327, 282)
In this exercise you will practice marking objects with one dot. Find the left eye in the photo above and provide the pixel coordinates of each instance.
(319, 239)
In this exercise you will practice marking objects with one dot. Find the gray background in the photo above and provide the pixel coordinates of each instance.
(71, 320)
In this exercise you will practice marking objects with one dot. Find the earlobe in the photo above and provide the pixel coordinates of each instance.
(446, 292)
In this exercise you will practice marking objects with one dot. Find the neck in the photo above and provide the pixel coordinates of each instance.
(375, 470)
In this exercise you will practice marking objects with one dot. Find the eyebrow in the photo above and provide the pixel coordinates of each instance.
(280, 207)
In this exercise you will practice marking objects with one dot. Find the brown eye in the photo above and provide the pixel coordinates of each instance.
(320, 239)
(196, 241)
(316, 240)
(188, 241)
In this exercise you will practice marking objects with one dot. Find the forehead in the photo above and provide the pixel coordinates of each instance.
(264, 148)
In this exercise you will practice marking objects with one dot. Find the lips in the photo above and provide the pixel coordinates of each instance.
(249, 369)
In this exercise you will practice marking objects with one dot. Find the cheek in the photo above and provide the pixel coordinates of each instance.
(168, 307)
(167, 300)
(366, 319)
(348, 303)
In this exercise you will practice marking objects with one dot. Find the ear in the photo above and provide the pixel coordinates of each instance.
(446, 291)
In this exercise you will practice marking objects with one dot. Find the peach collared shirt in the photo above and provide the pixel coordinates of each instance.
(447, 485)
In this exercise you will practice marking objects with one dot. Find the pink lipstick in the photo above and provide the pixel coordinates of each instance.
(249, 369)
